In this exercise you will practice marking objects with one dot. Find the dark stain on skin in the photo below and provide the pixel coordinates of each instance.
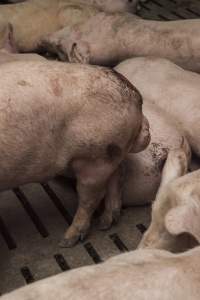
(159, 155)
(23, 83)
(56, 87)
(129, 85)
(176, 43)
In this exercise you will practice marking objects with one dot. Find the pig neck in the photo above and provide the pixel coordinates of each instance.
(131, 35)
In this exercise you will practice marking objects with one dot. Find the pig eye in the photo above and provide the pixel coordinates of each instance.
(130, 1)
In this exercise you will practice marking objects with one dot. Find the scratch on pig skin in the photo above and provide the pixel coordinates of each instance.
(56, 87)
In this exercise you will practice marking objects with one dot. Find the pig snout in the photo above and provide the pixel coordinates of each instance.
(143, 138)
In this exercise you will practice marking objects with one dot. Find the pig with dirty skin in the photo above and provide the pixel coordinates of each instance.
(175, 211)
(170, 124)
(166, 85)
(122, 36)
(88, 119)
(137, 180)
(49, 16)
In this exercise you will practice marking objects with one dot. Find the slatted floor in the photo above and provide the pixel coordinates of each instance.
(34, 218)
(170, 9)
(32, 221)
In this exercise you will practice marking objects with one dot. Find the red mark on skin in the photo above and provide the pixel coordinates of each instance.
(56, 87)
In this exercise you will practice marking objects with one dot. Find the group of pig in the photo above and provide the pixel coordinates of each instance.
(120, 112)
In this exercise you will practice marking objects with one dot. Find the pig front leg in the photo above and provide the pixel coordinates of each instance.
(92, 179)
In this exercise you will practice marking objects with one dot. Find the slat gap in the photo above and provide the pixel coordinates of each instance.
(61, 261)
(57, 202)
(31, 213)
(93, 253)
(118, 242)
(10, 242)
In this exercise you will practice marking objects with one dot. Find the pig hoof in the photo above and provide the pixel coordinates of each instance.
(72, 238)
(68, 243)
(104, 223)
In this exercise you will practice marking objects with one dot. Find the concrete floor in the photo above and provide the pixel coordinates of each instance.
(34, 218)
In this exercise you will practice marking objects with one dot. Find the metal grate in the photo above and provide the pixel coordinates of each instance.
(33, 218)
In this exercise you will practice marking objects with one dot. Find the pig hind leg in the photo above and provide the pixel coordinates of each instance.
(113, 200)
(92, 179)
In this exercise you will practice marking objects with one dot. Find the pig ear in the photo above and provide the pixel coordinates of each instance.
(8, 39)
(184, 219)
(79, 52)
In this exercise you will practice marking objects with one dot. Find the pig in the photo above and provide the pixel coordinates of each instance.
(105, 5)
(121, 36)
(56, 117)
(171, 88)
(8, 50)
(152, 76)
(140, 174)
(176, 210)
(47, 17)
(140, 275)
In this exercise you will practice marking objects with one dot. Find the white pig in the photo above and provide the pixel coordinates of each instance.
(32, 20)
(107, 39)
(57, 116)
(140, 176)
(139, 275)
(171, 88)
